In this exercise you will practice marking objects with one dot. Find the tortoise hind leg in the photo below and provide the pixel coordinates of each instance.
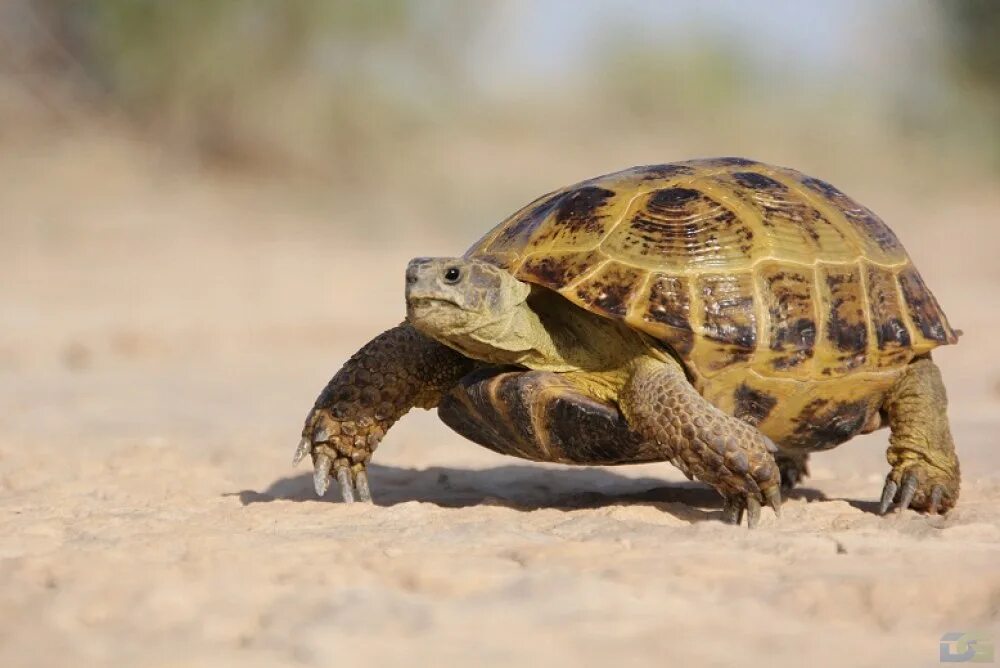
(794, 467)
(541, 416)
(925, 473)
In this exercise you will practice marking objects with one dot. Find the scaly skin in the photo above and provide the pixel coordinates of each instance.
(733, 457)
(397, 370)
(921, 450)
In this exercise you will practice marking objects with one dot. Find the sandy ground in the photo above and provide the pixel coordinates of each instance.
(158, 355)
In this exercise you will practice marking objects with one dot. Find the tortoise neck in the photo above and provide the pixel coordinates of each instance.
(549, 333)
(515, 337)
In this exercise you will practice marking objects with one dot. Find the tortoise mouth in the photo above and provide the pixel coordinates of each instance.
(433, 313)
(423, 302)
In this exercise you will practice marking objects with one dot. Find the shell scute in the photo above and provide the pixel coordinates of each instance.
(846, 318)
(728, 328)
(611, 289)
(892, 336)
(665, 311)
(794, 228)
(679, 228)
(789, 295)
(923, 308)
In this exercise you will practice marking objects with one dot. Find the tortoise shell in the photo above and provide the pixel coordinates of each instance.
(773, 288)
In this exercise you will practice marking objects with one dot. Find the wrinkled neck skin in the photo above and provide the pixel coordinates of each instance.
(515, 337)
(546, 332)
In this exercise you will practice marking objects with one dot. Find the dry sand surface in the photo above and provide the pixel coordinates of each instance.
(157, 358)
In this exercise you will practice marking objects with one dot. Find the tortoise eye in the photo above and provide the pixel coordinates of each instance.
(452, 275)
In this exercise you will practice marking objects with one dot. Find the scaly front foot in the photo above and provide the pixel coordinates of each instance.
(742, 469)
(735, 506)
(343, 456)
(394, 372)
(733, 457)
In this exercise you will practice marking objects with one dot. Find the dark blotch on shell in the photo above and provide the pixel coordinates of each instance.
(822, 187)
(892, 332)
(824, 423)
(800, 334)
(729, 312)
(656, 172)
(756, 181)
(729, 161)
(753, 406)
(923, 308)
(549, 271)
(669, 199)
(578, 209)
(742, 336)
(848, 337)
(670, 304)
(609, 297)
(799, 337)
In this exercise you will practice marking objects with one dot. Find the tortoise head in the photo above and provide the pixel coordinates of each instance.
(449, 298)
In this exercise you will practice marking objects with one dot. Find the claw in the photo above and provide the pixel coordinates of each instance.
(305, 447)
(346, 485)
(361, 481)
(908, 491)
(936, 494)
(773, 497)
(888, 494)
(681, 466)
(321, 476)
(753, 512)
(732, 512)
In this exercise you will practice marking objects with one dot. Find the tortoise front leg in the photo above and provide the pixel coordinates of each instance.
(394, 372)
(723, 451)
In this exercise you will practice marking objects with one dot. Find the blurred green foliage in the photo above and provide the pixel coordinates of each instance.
(974, 30)
(654, 82)
(291, 79)
(343, 85)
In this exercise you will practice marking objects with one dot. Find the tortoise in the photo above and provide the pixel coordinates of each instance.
(722, 314)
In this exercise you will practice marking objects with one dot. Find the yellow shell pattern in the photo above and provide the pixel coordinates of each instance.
(793, 306)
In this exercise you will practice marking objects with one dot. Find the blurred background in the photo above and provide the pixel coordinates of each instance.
(206, 205)
(442, 115)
